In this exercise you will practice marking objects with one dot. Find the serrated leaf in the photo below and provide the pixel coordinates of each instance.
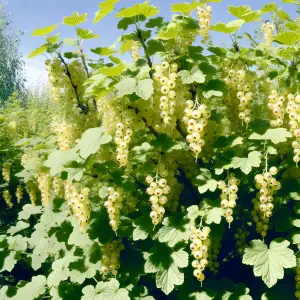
(75, 19)
(195, 75)
(269, 262)
(113, 71)
(38, 51)
(171, 32)
(155, 22)
(184, 7)
(270, 7)
(33, 289)
(18, 227)
(284, 16)
(229, 27)
(125, 87)
(210, 185)
(145, 88)
(246, 164)
(70, 42)
(288, 38)
(44, 31)
(154, 46)
(105, 291)
(245, 13)
(86, 34)
(126, 46)
(28, 210)
(276, 136)
(91, 141)
(138, 9)
(52, 39)
(297, 2)
(106, 7)
(175, 230)
(143, 227)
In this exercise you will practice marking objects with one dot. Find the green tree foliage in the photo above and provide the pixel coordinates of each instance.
(174, 176)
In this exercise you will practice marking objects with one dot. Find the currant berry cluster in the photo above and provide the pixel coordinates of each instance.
(110, 261)
(31, 190)
(268, 29)
(195, 117)
(166, 75)
(297, 279)
(263, 203)
(57, 185)
(79, 203)
(135, 51)
(114, 205)
(293, 110)
(122, 140)
(19, 193)
(204, 19)
(158, 191)
(6, 172)
(240, 237)
(199, 246)
(44, 184)
(276, 107)
(213, 253)
(229, 196)
(7, 198)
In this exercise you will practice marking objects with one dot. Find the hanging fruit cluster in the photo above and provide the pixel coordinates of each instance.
(263, 203)
(240, 238)
(44, 183)
(110, 261)
(19, 193)
(7, 198)
(229, 196)
(135, 51)
(79, 203)
(165, 75)
(276, 107)
(199, 246)
(31, 190)
(204, 19)
(114, 205)
(6, 172)
(158, 191)
(268, 29)
(195, 117)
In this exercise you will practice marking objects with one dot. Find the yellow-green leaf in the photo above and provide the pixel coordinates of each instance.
(113, 71)
(245, 13)
(184, 7)
(75, 19)
(270, 7)
(288, 38)
(229, 27)
(86, 34)
(52, 39)
(126, 46)
(297, 2)
(106, 7)
(168, 33)
(44, 31)
(38, 51)
(138, 9)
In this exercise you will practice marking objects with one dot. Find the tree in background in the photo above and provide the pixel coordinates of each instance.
(11, 63)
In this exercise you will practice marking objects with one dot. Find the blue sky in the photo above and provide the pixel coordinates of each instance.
(31, 14)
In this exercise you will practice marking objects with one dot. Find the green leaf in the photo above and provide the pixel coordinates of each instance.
(75, 19)
(288, 38)
(205, 181)
(86, 34)
(70, 42)
(38, 51)
(297, 2)
(154, 46)
(211, 211)
(246, 164)
(52, 39)
(125, 87)
(105, 291)
(269, 262)
(270, 7)
(126, 22)
(106, 7)
(229, 27)
(126, 46)
(138, 9)
(44, 31)
(195, 75)
(184, 7)
(113, 71)
(143, 227)
(245, 13)
(171, 32)
(145, 88)
(166, 263)
(57, 159)
(175, 230)
(284, 16)
(28, 210)
(155, 22)
(19, 226)
(91, 141)
(33, 289)
(276, 136)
